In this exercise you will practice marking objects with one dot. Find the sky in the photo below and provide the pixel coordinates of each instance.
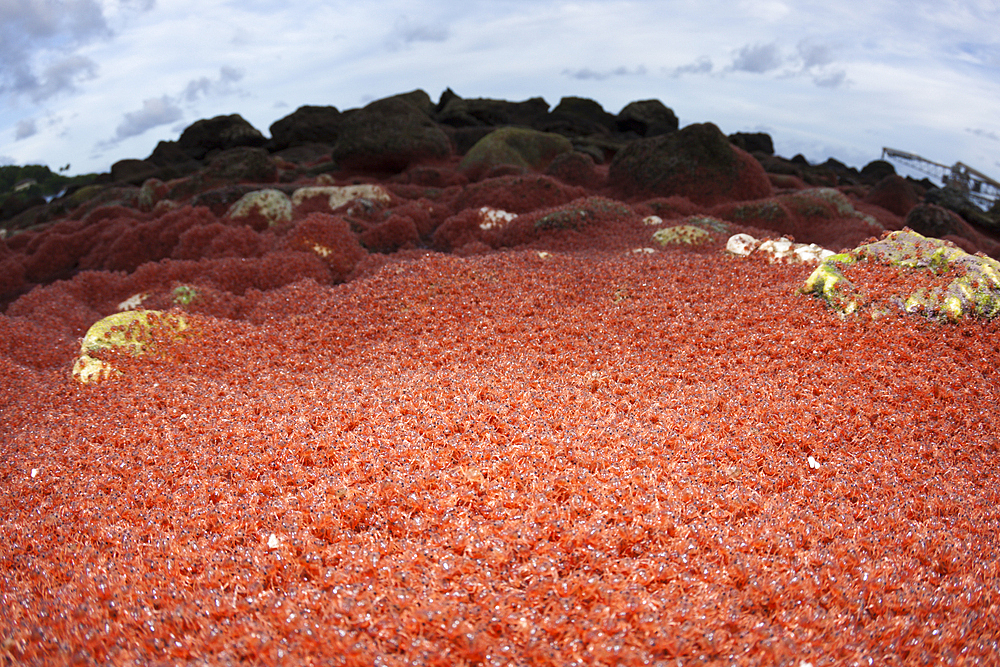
(86, 83)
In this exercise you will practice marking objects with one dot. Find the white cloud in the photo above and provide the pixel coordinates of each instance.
(912, 73)
(983, 134)
(203, 86)
(766, 10)
(62, 76)
(814, 54)
(38, 30)
(587, 73)
(703, 65)
(757, 58)
(830, 79)
(25, 129)
(407, 31)
(154, 112)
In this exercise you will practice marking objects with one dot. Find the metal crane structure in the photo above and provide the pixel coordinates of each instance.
(976, 185)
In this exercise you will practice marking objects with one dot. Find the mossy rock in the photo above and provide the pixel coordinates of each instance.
(514, 146)
(971, 290)
(134, 331)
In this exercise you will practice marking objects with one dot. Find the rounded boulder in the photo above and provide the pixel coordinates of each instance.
(697, 162)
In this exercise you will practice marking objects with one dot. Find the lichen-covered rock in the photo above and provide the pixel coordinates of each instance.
(682, 235)
(133, 331)
(513, 146)
(950, 283)
(338, 195)
(262, 208)
(697, 162)
(779, 250)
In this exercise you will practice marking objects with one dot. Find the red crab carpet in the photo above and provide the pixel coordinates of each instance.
(403, 432)
(507, 459)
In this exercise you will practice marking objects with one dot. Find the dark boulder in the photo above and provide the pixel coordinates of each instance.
(845, 175)
(955, 200)
(172, 161)
(875, 171)
(305, 153)
(647, 118)
(935, 221)
(894, 193)
(418, 99)
(575, 168)
(578, 117)
(307, 124)
(217, 134)
(459, 112)
(388, 135)
(248, 165)
(15, 205)
(753, 142)
(133, 172)
(697, 162)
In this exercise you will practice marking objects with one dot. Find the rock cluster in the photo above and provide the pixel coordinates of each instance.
(333, 195)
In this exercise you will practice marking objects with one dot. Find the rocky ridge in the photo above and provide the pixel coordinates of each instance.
(225, 190)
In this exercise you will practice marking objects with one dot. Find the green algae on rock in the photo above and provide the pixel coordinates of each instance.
(973, 292)
(135, 331)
